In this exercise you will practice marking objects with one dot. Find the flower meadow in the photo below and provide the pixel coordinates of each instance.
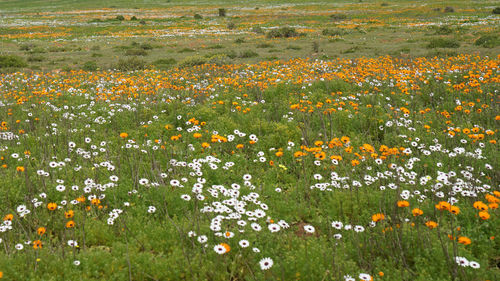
(258, 141)
(349, 169)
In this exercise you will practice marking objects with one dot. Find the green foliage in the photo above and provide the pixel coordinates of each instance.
(257, 29)
(443, 43)
(136, 52)
(248, 54)
(333, 32)
(231, 25)
(192, 61)
(10, 61)
(90, 66)
(338, 17)
(282, 32)
(219, 59)
(488, 41)
(130, 64)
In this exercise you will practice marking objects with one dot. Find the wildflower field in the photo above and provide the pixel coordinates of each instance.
(252, 140)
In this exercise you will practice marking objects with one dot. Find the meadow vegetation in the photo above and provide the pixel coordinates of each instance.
(277, 140)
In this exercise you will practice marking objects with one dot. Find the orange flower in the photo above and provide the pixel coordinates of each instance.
(443, 205)
(240, 146)
(491, 199)
(403, 203)
(197, 135)
(226, 246)
(8, 217)
(279, 153)
(417, 212)
(205, 145)
(480, 206)
(69, 214)
(37, 244)
(41, 231)
(493, 206)
(454, 210)
(431, 224)
(464, 240)
(484, 215)
(52, 206)
(70, 224)
(123, 135)
(378, 217)
(381, 274)
(20, 168)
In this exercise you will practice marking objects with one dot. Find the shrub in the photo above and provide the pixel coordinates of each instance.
(197, 17)
(142, 22)
(219, 59)
(120, 18)
(257, 29)
(90, 66)
(131, 64)
(133, 18)
(283, 32)
(222, 12)
(37, 50)
(136, 52)
(231, 25)
(264, 45)
(146, 46)
(487, 41)
(248, 54)
(315, 47)
(218, 46)
(443, 30)
(338, 17)
(333, 32)
(27, 47)
(239, 41)
(185, 50)
(443, 43)
(164, 63)
(35, 58)
(11, 61)
(496, 11)
(449, 10)
(192, 61)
